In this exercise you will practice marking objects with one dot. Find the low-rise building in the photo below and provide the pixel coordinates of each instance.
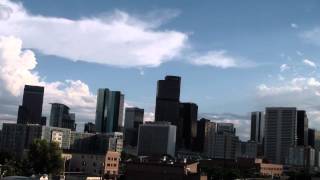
(93, 164)
(18, 137)
(146, 169)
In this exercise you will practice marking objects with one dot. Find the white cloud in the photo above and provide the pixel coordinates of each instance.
(148, 117)
(284, 67)
(17, 69)
(220, 59)
(117, 39)
(309, 63)
(293, 25)
(303, 93)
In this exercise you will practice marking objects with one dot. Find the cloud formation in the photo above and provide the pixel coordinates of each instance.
(117, 39)
(284, 67)
(220, 59)
(300, 92)
(309, 63)
(17, 69)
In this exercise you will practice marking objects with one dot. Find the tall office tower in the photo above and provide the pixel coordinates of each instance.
(89, 127)
(60, 117)
(225, 141)
(31, 109)
(225, 145)
(311, 137)
(168, 99)
(280, 132)
(109, 112)
(187, 126)
(133, 117)
(302, 128)
(157, 139)
(226, 128)
(317, 147)
(205, 137)
(314, 142)
(257, 127)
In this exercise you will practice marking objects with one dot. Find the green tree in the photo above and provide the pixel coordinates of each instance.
(45, 158)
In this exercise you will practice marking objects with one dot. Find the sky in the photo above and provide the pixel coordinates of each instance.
(234, 57)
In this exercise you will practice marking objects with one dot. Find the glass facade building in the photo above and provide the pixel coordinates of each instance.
(60, 117)
(31, 109)
(109, 112)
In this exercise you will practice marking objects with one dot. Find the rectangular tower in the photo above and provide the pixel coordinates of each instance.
(31, 109)
(168, 99)
(257, 127)
(280, 132)
(109, 111)
(302, 128)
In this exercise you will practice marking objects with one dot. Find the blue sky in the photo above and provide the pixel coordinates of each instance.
(234, 57)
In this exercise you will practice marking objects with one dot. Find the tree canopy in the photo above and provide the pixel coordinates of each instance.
(45, 158)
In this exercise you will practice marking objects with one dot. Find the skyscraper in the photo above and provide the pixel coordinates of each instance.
(187, 125)
(168, 99)
(311, 137)
(225, 141)
(205, 137)
(133, 117)
(280, 132)
(31, 109)
(89, 127)
(226, 128)
(109, 112)
(60, 117)
(257, 127)
(302, 128)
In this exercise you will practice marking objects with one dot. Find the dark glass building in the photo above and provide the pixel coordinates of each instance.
(187, 125)
(302, 128)
(89, 127)
(167, 101)
(133, 119)
(206, 131)
(257, 127)
(60, 117)
(31, 109)
(109, 112)
(311, 137)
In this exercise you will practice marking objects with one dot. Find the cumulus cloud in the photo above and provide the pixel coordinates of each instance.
(302, 92)
(17, 69)
(117, 39)
(220, 59)
(309, 63)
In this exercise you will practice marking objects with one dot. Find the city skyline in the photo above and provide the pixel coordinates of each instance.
(226, 81)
